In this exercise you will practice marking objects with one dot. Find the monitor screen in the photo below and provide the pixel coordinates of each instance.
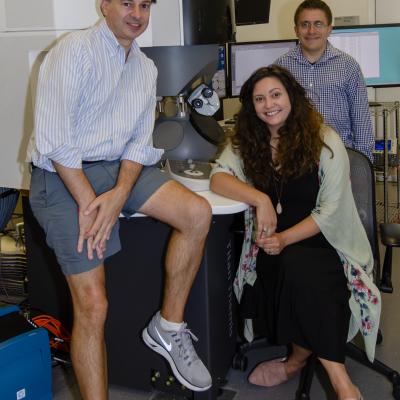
(248, 12)
(245, 58)
(375, 47)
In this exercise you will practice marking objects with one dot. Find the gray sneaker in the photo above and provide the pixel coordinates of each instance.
(177, 348)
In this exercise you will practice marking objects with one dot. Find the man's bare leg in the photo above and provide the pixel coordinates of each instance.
(88, 351)
(189, 215)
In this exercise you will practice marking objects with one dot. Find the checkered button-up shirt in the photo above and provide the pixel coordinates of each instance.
(336, 87)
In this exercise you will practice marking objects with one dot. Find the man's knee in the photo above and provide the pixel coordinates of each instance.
(196, 215)
(91, 308)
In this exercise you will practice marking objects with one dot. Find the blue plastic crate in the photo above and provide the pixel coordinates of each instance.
(25, 364)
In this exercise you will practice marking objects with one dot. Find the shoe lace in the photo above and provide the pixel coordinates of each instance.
(183, 338)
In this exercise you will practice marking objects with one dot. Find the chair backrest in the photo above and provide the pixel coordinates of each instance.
(363, 186)
(8, 201)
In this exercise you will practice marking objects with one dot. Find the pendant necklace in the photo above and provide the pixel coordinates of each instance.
(275, 179)
(278, 207)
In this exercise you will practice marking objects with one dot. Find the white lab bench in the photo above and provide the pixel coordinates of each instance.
(220, 205)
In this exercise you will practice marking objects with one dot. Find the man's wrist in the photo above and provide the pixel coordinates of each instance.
(84, 201)
(122, 191)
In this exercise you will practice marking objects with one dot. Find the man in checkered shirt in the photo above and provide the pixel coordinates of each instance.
(332, 79)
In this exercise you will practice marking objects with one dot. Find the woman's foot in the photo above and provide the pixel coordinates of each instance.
(269, 373)
(273, 372)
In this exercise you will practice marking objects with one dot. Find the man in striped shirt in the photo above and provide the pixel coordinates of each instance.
(332, 79)
(92, 160)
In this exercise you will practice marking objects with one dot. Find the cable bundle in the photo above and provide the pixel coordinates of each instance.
(60, 338)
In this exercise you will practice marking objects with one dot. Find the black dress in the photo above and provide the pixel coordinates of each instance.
(304, 287)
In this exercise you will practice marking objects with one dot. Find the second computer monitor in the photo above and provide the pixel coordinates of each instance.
(375, 47)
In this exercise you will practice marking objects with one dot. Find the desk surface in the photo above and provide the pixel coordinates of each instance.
(220, 205)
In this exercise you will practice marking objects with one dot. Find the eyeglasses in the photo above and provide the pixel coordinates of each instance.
(316, 24)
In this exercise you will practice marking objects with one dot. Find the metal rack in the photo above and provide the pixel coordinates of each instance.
(386, 117)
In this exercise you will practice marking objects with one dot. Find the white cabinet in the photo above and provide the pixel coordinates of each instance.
(165, 27)
(167, 23)
(28, 15)
(20, 54)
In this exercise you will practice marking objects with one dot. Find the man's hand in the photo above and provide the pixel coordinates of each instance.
(85, 223)
(104, 211)
(108, 205)
(81, 190)
(97, 215)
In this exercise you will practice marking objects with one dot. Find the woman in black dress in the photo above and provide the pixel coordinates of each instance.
(294, 172)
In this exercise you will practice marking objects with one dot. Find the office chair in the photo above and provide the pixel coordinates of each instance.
(8, 201)
(363, 186)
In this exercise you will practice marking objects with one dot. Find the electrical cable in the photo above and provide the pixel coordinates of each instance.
(60, 337)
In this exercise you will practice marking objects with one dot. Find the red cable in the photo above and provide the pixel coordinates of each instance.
(62, 338)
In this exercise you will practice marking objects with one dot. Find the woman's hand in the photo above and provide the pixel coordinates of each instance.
(276, 242)
(272, 244)
(266, 217)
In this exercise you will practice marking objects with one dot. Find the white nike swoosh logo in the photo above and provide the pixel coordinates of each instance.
(168, 346)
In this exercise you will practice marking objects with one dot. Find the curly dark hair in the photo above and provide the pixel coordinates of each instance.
(300, 142)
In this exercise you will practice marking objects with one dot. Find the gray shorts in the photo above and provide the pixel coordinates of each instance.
(57, 211)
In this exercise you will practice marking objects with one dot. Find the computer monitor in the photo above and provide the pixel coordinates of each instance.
(375, 47)
(245, 58)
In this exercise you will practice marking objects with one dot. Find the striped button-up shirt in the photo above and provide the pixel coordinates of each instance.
(94, 104)
(336, 87)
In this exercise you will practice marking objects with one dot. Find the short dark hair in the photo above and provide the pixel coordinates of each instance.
(109, 1)
(153, 1)
(313, 5)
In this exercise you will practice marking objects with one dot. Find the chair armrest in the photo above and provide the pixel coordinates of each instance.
(390, 234)
(8, 193)
(390, 237)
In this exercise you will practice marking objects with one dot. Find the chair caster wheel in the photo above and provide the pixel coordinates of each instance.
(239, 362)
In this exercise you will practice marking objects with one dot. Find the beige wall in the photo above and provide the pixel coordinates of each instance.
(387, 11)
(281, 18)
